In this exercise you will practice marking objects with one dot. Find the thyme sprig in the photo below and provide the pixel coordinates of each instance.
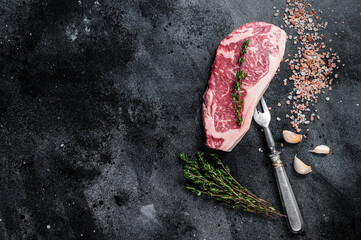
(240, 76)
(218, 182)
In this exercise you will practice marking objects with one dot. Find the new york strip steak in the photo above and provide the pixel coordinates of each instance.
(263, 56)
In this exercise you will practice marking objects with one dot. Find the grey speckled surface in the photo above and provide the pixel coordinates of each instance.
(97, 99)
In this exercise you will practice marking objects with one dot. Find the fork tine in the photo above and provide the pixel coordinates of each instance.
(255, 114)
(264, 105)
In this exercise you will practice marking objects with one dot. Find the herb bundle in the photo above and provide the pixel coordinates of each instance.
(236, 96)
(219, 183)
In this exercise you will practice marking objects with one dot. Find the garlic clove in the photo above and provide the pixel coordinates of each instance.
(300, 167)
(291, 137)
(322, 149)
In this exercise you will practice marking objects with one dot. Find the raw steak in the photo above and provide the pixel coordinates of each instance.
(263, 56)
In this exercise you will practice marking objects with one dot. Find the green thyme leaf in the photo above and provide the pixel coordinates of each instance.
(239, 74)
(245, 44)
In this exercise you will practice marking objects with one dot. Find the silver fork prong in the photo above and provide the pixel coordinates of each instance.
(255, 114)
(264, 105)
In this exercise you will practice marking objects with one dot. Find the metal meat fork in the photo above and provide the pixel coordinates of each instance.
(288, 199)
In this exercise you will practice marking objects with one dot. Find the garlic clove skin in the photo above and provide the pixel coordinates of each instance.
(300, 167)
(291, 137)
(322, 149)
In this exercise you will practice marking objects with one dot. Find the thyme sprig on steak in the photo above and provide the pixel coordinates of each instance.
(218, 182)
(240, 76)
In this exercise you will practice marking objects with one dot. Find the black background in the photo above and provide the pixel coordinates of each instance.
(98, 98)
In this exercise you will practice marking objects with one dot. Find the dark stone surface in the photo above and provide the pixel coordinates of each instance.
(97, 99)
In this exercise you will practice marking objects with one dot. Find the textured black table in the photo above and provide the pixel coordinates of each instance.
(97, 99)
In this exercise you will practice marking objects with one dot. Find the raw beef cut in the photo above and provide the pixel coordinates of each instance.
(263, 56)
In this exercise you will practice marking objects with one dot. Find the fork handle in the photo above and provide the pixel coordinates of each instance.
(294, 218)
